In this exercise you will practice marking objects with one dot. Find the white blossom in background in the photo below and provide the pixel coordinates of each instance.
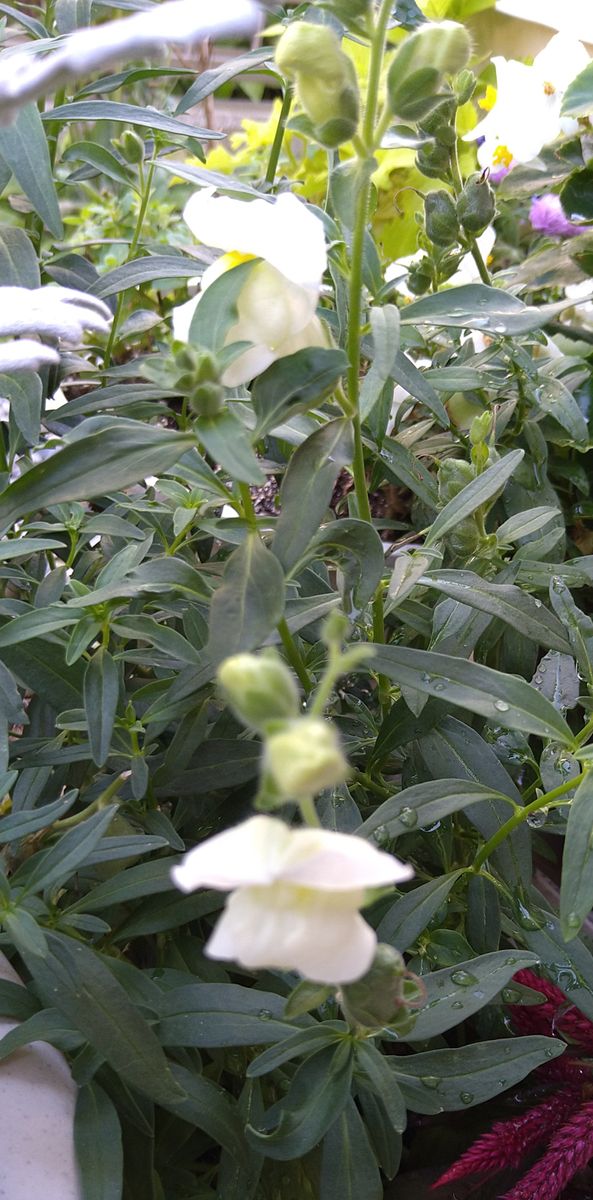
(24, 77)
(38, 1100)
(525, 114)
(277, 303)
(295, 897)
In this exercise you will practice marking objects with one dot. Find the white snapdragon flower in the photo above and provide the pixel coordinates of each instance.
(525, 111)
(58, 313)
(25, 77)
(295, 897)
(277, 303)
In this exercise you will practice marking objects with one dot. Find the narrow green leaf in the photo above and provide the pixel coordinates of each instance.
(474, 495)
(18, 260)
(349, 1168)
(249, 602)
(506, 699)
(307, 487)
(128, 114)
(300, 1045)
(410, 914)
(509, 603)
(295, 383)
(456, 993)
(107, 460)
(460, 1078)
(318, 1093)
(81, 985)
(23, 147)
(146, 270)
(209, 81)
(98, 1142)
(576, 888)
(223, 1014)
(101, 696)
(475, 306)
(56, 864)
(425, 803)
(228, 442)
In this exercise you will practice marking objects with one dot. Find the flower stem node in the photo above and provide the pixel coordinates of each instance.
(325, 80)
(304, 758)
(259, 688)
(383, 996)
(440, 218)
(420, 64)
(476, 206)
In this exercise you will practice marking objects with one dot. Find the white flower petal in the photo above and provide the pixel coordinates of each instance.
(250, 853)
(248, 365)
(325, 941)
(338, 862)
(182, 318)
(561, 60)
(286, 233)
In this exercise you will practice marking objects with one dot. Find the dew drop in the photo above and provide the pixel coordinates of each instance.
(264, 1014)
(573, 920)
(538, 603)
(457, 1004)
(501, 706)
(430, 1081)
(408, 817)
(466, 1097)
(463, 978)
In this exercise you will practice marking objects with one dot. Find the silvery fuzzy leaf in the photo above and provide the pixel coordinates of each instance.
(24, 77)
(60, 313)
(26, 355)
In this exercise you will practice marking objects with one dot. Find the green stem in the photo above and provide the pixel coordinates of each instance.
(249, 512)
(309, 812)
(101, 801)
(146, 193)
(326, 684)
(584, 735)
(520, 815)
(294, 657)
(572, 332)
(375, 65)
(279, 136)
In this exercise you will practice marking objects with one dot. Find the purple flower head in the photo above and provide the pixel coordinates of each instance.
(547, 216)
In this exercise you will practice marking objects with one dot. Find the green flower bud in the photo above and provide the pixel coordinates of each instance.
(260, 688)
(440, 216)
(433, 161)
(304, 758)
(476, 206)
(325, 80)
(464, 86)
(454, 475)
(480, 428)
(131, 146)
(376, 1000)
(420, 64)
(207, 399)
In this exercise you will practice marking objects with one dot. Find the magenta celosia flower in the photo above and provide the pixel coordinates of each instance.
(547, 216)
(569, 1150)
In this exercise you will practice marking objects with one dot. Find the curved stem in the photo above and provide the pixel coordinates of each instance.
(520, 815)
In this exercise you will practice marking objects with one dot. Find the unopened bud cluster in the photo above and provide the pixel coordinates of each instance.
(302, 754)
(385, 997)
(198, 379)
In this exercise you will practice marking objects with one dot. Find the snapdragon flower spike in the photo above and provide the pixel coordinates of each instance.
(508, 1142)
(59, 313)
(24, 77)
(277, 303)
(525, 115)
(295, 897)
(569, 1150)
